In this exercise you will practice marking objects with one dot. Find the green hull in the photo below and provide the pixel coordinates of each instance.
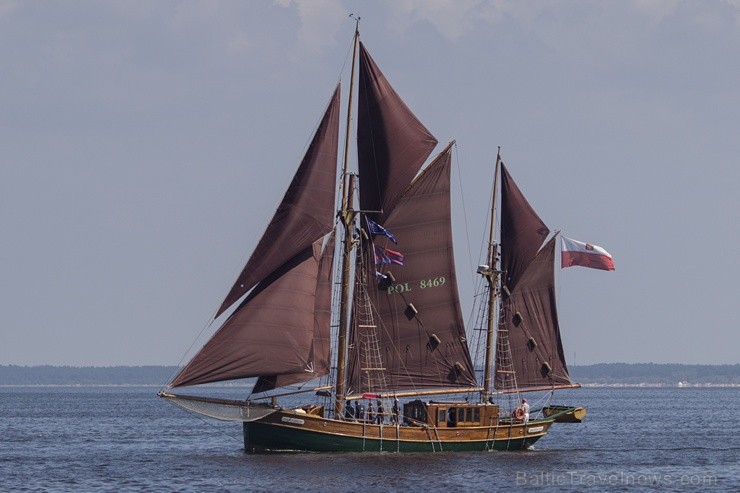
(268, 437)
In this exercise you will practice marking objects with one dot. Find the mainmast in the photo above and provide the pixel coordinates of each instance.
(491, 274)
(348, 216)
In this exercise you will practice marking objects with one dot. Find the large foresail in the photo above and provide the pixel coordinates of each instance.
(320, 353)
(416, 318)
(522, 231)
(306, 212)
(271, 333)
(529, 321)
(392, 144)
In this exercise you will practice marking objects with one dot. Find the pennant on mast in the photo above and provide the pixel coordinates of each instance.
(387, 256)
(376, 229)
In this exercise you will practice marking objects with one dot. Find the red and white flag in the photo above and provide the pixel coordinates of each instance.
(574, 252)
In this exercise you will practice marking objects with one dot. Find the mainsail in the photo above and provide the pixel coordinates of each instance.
(418, 321)
(273, 332)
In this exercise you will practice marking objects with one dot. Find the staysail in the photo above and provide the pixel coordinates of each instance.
(418, 319)
(320, 354)
(272, 332)
(306, 212)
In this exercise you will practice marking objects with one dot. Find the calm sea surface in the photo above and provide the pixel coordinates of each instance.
(127, 439)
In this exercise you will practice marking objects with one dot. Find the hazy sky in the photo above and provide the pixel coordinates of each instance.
(144, 146)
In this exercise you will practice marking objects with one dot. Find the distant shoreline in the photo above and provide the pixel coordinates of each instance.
(597, 375)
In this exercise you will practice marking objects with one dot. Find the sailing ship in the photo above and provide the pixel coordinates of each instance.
(376, 340)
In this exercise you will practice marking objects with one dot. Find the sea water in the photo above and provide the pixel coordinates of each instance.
(127, 439)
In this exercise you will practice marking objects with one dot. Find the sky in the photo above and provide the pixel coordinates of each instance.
(145, 145)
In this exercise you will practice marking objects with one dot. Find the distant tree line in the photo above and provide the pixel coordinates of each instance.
(85, 375)
(654, 373)
(603, 373)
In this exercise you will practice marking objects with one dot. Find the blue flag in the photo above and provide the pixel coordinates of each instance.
(385, 256)
(376, 229)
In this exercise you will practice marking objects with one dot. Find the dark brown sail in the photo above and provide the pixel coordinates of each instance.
(417, 317)
(522, 231)
(272, 332)
(392, 144)
(306, 212)
(529, 321)
(320, 352)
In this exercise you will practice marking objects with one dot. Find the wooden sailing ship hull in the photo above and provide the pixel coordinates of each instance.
(292, 431)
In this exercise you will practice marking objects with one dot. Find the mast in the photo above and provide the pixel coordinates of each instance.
(348, 216)
(491, 275)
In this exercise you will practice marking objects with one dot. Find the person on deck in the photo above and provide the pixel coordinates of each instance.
(349, 411)
(370, 412)
(379, 418)
(395, 410)
(525, 407)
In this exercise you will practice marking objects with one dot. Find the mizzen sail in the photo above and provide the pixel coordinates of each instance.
(522, 231)
(529, 322)
(529, 349)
